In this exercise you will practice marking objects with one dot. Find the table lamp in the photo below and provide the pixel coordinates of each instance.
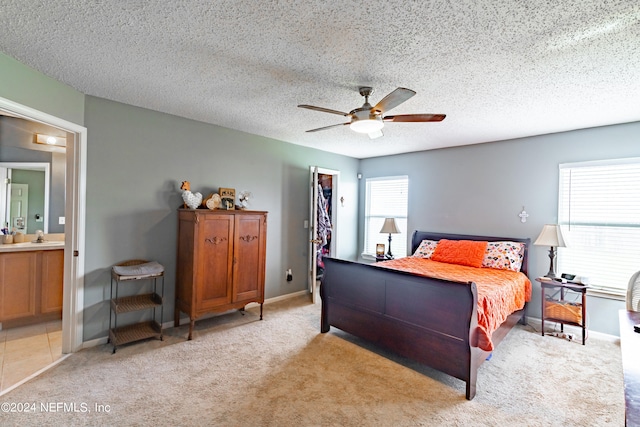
(390, 227)
(551, 236)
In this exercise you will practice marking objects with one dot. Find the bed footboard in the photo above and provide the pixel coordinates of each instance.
(428, 320)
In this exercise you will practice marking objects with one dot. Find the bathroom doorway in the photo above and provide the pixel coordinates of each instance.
(73, 218)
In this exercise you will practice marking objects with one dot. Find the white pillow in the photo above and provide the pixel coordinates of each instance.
(426, 248)
(504, 255)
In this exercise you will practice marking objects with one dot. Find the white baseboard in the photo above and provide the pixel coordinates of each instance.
(185, 320)
(279, 298)
(94, 342)
(537, 323)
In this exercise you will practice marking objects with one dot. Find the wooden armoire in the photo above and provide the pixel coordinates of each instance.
(221, 261)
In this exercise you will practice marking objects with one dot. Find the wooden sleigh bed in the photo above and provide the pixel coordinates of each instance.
(432, 321)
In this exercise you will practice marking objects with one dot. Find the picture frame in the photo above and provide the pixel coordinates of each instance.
(227, 198)
(380, 250)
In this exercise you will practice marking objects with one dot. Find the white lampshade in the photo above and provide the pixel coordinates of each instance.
(390, 226)
(364, 121)
(551, 235)
(366, 126)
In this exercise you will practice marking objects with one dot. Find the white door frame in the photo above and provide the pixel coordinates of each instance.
(75, 201)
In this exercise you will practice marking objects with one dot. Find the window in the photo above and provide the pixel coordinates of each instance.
(386, 197)
(599, 212)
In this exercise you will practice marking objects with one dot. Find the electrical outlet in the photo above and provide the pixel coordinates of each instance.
(61, 220)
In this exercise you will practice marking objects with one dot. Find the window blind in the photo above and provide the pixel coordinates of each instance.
(599, 212)
(386, 197)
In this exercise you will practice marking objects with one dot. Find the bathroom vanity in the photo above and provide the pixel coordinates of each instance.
(31, 280)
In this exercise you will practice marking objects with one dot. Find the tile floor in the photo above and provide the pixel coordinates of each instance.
(26, 350)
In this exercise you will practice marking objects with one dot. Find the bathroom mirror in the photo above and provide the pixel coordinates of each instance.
(24, 196)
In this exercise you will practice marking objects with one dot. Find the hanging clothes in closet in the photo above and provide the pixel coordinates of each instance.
(324, 228)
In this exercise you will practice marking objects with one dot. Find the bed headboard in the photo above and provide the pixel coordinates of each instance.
(419, 236)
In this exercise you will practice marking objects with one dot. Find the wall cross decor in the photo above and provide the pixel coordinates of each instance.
(523, 215)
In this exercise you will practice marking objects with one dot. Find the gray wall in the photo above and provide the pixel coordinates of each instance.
(137, 157)
(480, 189)
(136, 160)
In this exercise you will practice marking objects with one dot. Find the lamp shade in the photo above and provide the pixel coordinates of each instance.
(364, 121)
(551, 235)
(390, 226)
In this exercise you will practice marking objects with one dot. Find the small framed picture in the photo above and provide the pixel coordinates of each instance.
(380, 249)
(227, 198)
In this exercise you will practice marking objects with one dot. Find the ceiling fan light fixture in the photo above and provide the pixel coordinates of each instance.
(370, 120)
(366, 126)
(364, 121)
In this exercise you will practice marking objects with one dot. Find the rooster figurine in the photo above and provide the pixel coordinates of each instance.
(191, 200)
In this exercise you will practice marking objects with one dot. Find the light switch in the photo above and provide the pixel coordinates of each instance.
(61, 220)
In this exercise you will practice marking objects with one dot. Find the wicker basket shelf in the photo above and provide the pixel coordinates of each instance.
(151, 300)
(560, 310)
(563, 311)
(136, 302)
(136, 332)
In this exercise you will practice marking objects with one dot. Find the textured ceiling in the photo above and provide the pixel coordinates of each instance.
(498, 69)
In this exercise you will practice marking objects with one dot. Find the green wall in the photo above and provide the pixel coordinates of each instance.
(31, 88)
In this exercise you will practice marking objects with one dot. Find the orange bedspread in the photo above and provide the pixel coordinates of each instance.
(500, 292)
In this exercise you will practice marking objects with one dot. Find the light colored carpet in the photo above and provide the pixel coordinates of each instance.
(240, 371)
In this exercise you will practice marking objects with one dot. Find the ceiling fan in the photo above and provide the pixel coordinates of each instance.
(370, 120)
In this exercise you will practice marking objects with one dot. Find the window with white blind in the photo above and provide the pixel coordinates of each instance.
(386, 197)
(599, 212)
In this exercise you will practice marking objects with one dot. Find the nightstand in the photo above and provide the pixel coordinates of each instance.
(560, 311)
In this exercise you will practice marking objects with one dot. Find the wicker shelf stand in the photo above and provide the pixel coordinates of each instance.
(557, 309)
(151, 301)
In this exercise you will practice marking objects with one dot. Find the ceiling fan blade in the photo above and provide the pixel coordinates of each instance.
(415, 118)
(394, 99)
(328, 127)
(324, 110)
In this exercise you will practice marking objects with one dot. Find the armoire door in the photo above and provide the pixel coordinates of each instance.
(215, 260)
(249, 248)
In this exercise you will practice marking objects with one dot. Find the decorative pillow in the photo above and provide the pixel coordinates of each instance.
(426, 248)
(504, 255)
(463, 252)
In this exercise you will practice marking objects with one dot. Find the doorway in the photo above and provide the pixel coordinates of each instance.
(323, 231)
(75, 184)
